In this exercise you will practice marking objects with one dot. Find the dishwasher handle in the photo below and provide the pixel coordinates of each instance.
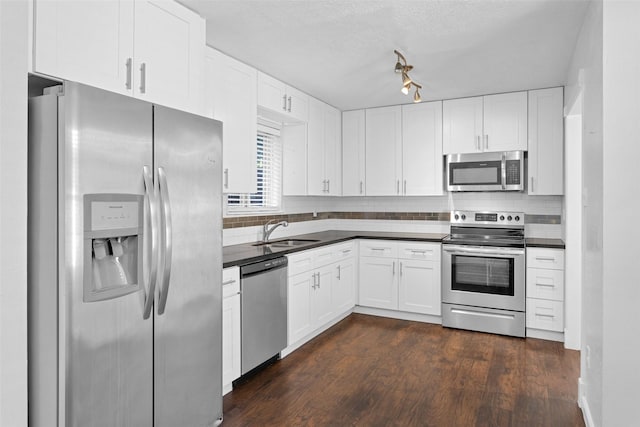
(263, 266)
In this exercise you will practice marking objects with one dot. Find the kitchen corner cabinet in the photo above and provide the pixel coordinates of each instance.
(353, 153)
(231, 97)
(485, 123)
(231, 339)
(323, 149)
(148, 49)
(281, 102)
(321, 287)
(401, 276)
(383, 139)
(546, 142)
(422, 149)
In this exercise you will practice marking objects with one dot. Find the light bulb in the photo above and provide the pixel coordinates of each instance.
(405, 89)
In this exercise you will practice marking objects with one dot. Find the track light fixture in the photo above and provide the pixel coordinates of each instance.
(403, 68)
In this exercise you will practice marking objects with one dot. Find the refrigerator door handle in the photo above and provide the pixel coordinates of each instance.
(150, 290)
(168, 243)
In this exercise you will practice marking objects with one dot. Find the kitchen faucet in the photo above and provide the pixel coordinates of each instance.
(266, 231)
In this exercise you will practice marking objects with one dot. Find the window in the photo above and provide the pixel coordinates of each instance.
(269, 176)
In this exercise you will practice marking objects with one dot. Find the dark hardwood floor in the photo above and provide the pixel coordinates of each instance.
(373, 371)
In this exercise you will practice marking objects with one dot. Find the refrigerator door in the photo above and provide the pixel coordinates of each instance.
(188, 307)
(106, 347)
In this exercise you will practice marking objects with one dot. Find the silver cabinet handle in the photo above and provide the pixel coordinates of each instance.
(545, 258)
(228, 282)
(377, 249)
(405, 188)
(393, 272)
(346, 251)
(400, 268)
(550, 316)
(226, 178)
(168, 241)
(361, 185)
(532, 190)
(339, 272)
(318, 279)
(328, 186)
(478, 146)
(486, 142)
(324, 185)
(150, 290)
(128, 71)
(284, 102)
(398, 186)
(546, 285)
(143, 78)
(289, 109)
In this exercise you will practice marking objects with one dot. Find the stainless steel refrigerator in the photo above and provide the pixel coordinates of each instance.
(125, 246)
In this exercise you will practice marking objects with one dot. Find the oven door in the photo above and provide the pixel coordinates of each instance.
(484, 276)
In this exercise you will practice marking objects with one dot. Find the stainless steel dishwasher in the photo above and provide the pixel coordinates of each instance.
(264, 311)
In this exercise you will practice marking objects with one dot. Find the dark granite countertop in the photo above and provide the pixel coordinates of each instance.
(247, 253)
(538, 242)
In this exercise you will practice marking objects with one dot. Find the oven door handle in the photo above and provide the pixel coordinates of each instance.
(477, 250)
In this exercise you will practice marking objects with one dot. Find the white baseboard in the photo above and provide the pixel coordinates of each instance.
(291, 348)
(226, 388)
(402, 315)
(545, 335)
(584, 404)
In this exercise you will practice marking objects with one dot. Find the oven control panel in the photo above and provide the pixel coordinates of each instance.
(487, 218)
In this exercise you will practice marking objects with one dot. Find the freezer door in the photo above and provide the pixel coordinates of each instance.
(105, 344)
(188, 307)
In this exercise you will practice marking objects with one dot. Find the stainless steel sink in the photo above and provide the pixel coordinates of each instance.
(286, 243)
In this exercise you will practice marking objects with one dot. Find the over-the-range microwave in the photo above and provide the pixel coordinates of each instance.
(500, 171)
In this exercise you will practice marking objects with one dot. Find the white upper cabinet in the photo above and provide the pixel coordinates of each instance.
(280, 101)
(152, 50)
(422, 149)
(486, 123)
(383, 137)
(294, 159)
(323, 149)
(353, 153)
(231, 97)
(546, 142)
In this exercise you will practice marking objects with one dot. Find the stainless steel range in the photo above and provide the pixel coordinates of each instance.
(483, 273)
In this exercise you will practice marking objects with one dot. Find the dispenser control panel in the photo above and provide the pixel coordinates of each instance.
(114, 214)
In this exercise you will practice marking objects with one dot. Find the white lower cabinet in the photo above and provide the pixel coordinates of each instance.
(231, 340)
(321, 287)
(545, 289)
(399, 275)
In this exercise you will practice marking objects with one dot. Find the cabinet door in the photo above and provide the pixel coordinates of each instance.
(271, 93)
(505, 122)
(299, 305)
(378, 283)
(332, 163)
(232, 98)
(169, 55)
(462, 125)
(321, 296)
(419, 287)
(87, 42)
(383, 151)
(297, 104)
(231, 356)
(422, 149)
(343, 286)
(353, 153)
(546, 142)
(294, 159)
(316, 181)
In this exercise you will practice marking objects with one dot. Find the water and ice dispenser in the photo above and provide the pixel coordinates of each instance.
(113, 243)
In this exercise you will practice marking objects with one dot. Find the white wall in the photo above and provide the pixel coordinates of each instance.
(621, 243)
(13, 213)
(587, 61)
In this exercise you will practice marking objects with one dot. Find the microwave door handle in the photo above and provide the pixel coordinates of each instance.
(504, 171)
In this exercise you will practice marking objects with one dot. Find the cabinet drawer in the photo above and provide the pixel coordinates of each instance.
(230, 281)
(300, 262)
(379, 248)
(344, 250)
(323, 256)
(419, 251)
(545, 258)
(545, 283)
(545, 314)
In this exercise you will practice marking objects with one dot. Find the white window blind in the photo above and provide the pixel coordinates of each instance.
(269, 176)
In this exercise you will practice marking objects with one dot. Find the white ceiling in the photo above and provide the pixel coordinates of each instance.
(341, 51)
